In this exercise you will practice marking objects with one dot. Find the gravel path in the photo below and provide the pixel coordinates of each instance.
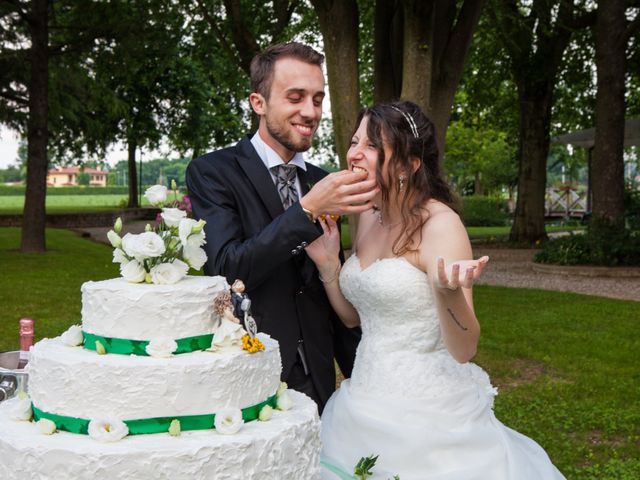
(512, 268)
(507, 267)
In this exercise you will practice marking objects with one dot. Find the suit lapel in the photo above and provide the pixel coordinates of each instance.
(304, 181)
(259, 177)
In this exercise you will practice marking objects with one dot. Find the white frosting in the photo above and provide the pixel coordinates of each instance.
(284, 448)
(139, 311)
(77, 382)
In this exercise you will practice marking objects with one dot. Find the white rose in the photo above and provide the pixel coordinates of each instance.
(197, 239)
(195, 256)
(144, 245)
(73, 336)
(161, 347)
(185, 227)
(172, 216)
(132, 271)
(191, 232)
(108, 429)
(114, 238)
(46, 426)
(119, 256)
(228, 421)
(156, 194)
(266, 413)
(21, 409)
(169, 273)
(284, 401)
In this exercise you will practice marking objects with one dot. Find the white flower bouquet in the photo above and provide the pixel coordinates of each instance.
(164, 254)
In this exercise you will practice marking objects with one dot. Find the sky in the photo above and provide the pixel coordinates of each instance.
(8, 147)
(9, 142)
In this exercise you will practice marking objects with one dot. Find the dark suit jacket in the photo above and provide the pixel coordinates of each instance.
(250, 237)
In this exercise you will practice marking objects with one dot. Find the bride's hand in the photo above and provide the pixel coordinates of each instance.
(325, 250)
(462, 273)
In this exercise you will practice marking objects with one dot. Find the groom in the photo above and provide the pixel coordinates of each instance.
(261, 201)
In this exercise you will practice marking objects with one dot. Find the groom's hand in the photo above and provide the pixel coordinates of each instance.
(341, 193)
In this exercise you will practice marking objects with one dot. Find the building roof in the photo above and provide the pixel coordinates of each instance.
(586, 138)
(73, 170)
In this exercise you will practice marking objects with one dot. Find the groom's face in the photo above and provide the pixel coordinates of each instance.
(291, 114)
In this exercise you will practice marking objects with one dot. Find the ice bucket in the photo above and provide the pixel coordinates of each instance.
(12, 378)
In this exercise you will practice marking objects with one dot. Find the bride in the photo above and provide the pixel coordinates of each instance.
(413, 398)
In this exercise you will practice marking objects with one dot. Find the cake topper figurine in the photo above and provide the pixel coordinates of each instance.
(242, 307)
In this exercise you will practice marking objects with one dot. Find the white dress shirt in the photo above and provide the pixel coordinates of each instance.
(270, 159)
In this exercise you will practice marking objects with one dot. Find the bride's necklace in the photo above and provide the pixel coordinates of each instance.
(386, 226)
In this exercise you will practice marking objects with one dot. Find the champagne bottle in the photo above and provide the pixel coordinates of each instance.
(26, 340)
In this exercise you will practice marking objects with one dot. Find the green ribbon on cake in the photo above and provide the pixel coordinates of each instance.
(124, 346)
(151, 425)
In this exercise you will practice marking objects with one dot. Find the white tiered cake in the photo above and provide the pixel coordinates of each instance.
(113, 377)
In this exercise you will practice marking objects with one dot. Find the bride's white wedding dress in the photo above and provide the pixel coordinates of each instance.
(409, 401)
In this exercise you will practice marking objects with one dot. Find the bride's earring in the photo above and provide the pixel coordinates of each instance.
(402, 178)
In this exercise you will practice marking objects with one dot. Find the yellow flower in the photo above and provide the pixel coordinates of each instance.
(252, 345)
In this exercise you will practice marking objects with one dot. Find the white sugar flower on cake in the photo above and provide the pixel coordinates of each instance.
(46, 426)
(108, 429)
(228, 421)
(284, 401)
(266, 413)
(162, 254)
(161, 347)
(73, 336)
(21, 408)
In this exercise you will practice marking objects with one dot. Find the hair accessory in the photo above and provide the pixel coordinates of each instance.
(409, 119)
(402, 178)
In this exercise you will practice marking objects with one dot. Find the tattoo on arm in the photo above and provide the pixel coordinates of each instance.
(456, 320)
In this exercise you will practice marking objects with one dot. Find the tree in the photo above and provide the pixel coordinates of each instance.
(37, 38)
(612, 33)
(339, 26)
(483, 158)
(436, 37)
(534, 37)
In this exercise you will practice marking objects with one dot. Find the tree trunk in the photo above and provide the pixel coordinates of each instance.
(452, 34)
(417, 53)
(132, 146)
(339, 25)
(34, 213)
(535, 117)
(478, 189)
(608, 161)
(387, 47)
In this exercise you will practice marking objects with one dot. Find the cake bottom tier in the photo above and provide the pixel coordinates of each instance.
(285, 447)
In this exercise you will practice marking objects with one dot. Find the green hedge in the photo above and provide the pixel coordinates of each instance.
(595, 247)
(18, 191)
(480, 211)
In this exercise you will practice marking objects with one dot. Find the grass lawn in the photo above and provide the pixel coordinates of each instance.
(67, 203)
(566, 365)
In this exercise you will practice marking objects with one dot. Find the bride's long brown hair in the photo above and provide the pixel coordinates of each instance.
(409, 133)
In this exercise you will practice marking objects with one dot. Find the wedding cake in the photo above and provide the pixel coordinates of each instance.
(160, 381)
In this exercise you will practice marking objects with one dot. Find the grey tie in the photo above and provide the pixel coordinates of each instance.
(286, 184)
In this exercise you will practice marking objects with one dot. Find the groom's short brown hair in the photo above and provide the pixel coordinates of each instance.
(262, 65)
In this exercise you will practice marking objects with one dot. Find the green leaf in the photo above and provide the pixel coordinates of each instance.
(363, 468)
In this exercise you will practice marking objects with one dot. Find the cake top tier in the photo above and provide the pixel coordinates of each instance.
(138, 311)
